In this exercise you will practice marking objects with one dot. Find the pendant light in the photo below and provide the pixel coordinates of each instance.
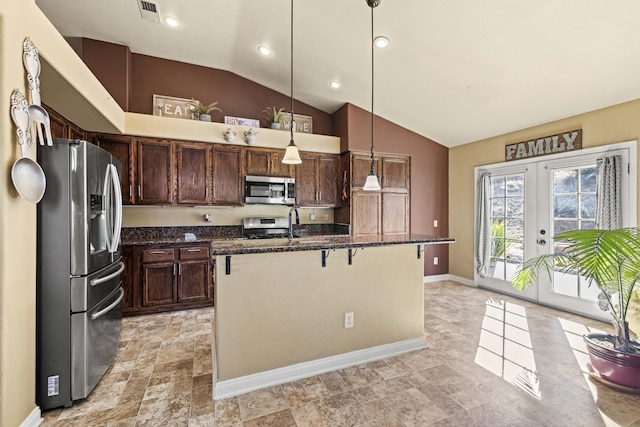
(291, 155)
(372, 184)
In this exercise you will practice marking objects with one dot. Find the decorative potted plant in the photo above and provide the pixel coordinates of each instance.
(273, 116)
(610, 259)
(202, 110)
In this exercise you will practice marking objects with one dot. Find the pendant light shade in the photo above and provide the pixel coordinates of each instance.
(291, 155)
(372, 184)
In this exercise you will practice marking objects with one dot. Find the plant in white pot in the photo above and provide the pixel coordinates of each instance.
(273, 116)
(610, 260)
(203, 111)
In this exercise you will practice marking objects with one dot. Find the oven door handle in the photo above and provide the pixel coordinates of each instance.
(104, 311)
(96, 282)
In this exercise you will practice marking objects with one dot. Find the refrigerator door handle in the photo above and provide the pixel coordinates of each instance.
(114, 239)
(114, 304)
(96, 282)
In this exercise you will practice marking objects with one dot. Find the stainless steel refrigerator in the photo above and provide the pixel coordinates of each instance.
(79, 264)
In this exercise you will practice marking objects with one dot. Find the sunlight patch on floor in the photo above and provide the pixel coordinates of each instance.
(505, 347)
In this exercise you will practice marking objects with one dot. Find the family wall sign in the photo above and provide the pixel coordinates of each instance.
(560, 143)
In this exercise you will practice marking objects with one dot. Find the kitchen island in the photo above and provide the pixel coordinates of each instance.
(281, 306)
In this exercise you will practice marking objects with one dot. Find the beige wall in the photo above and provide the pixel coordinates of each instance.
(19, 19)
(184, 216)
(286, 308)
(619, 123)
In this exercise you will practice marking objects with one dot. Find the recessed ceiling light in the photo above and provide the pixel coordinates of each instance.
(265, 50)
(381, 42)
(335, 84)
(171, 21)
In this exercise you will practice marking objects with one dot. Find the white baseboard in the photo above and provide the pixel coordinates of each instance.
(248, 383)
(34, 419)
(440, 277)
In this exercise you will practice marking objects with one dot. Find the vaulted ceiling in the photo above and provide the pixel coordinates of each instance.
(456, 71)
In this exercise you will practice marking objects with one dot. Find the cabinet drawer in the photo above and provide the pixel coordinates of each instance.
(196, 252)
(157, 255)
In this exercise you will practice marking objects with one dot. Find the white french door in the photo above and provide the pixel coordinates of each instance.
(533, 201)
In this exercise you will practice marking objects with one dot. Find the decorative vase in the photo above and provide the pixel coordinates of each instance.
(275, 125)
(229, 135)
(250, 136)
(205, 117)
(612, 367)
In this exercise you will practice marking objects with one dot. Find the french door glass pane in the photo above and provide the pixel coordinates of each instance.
(574, 208)
(507, 225)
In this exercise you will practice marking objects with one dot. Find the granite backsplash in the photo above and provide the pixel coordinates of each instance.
(182, 234)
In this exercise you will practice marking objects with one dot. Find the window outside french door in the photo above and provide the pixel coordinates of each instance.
(533, 201)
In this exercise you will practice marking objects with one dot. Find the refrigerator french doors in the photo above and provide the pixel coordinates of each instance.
(78, 286)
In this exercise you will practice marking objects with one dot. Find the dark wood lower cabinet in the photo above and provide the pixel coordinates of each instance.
(166, 278)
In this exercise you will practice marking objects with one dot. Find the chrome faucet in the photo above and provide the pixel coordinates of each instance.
(293, 209)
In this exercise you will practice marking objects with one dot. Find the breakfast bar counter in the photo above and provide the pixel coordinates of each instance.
(286, 310)
(318, 242)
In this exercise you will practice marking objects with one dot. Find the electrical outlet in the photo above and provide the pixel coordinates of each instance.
(435, 223)
(435, 260)
(348, 320)
(326, 217)
(312, 217)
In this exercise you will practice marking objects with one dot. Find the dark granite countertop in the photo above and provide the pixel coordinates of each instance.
(318, 242)
(206, 234)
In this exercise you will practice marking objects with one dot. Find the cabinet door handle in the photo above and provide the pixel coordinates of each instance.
(131, 191)
(139, 191)
(194, 250)
(158, 252)
(319, 195)
(174, 269)
(179, 269)
(206, 193)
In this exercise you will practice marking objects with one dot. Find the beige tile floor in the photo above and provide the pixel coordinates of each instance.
(492, 361)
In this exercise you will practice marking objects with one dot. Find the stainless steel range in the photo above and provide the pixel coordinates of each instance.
(265, 228)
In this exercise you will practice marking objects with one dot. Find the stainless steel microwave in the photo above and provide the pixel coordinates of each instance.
(270, 190)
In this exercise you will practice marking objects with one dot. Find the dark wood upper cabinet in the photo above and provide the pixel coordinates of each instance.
(395, 173)
(306, 180)
(267, 162)
(317, 180)
(360, 168)
(121, 147)
(193, 173)
(384, 212)
(155, 172)
(228, 175)
(328, 188)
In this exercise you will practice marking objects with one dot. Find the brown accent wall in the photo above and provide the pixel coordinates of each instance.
(111, 64)
(429, 172)
(148, 75)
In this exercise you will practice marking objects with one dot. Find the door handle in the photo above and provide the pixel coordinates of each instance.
(541, 242)
(101, 280)
(101, 313)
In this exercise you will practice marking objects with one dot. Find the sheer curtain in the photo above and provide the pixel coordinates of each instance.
(609, 193)
(483, 223)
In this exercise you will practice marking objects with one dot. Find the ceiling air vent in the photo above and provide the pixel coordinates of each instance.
(149, 10)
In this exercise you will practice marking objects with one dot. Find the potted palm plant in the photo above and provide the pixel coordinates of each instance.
(610, 260)
(203, 111)
(273, 116)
